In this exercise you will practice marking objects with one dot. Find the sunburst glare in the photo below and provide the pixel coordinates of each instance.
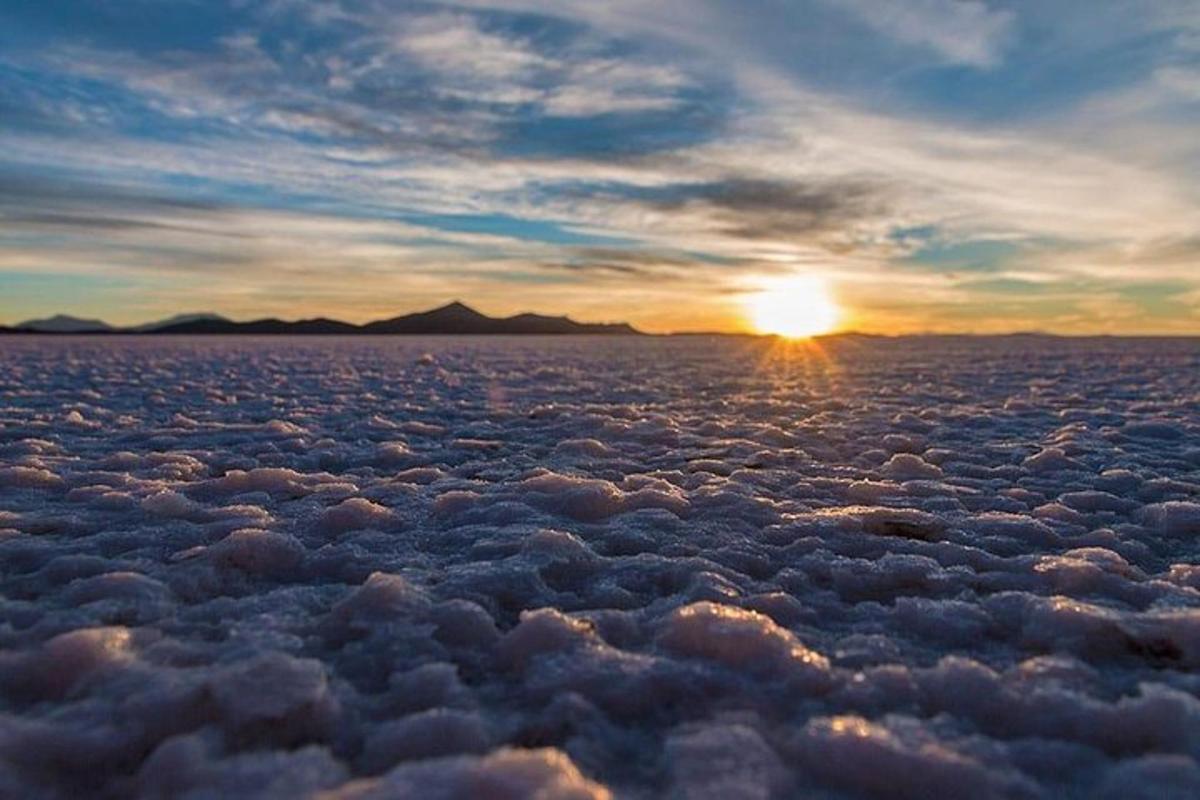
(797, 307)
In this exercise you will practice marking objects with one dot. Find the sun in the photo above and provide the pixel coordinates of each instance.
(797, 308)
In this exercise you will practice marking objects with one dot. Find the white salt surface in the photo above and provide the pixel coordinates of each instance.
(576, 568)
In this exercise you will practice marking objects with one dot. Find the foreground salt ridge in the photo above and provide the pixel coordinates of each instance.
(569, 569)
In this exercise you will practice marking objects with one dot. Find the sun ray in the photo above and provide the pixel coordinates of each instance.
(797, 308)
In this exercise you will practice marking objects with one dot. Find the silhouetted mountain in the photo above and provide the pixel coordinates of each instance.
(455, 318)
(303, 327)
(62, 323)
(178, 319)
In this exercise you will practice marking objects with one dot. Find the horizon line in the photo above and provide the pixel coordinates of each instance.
(151, 327)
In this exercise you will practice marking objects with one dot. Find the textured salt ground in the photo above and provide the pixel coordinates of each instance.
(563, 568)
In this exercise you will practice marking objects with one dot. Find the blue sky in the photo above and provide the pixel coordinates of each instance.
(938, 164)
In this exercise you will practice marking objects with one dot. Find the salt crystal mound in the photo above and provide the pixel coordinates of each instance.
(589, 568)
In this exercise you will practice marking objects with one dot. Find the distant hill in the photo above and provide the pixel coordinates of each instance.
(62, 323)
(454, 318)
(178, 319)
(270, 326)
(459, 318)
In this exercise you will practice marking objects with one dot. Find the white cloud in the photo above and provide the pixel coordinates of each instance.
(961, 31)
(475, 64)
(454, 46)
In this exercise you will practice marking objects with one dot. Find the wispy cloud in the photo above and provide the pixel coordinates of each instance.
(960, 31)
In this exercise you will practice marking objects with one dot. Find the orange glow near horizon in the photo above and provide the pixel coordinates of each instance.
(797, 308)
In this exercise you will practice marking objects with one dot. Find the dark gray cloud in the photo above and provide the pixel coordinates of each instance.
(757, 209)
(764, 209)
(96, 222)
(645, 264)
(22, 192)
(69, 205)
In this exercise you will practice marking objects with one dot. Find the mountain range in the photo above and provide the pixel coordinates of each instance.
(454, 318)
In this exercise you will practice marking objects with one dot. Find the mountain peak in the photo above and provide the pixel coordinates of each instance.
(64, 323)
(455, 307)
(179, 319)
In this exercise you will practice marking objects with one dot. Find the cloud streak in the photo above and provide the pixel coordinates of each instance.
(961, 31)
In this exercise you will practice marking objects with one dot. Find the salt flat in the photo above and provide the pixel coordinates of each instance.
(692, 567)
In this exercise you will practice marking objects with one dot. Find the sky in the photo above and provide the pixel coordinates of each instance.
(937, 165)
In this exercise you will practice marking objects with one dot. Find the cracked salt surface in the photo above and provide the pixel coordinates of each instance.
(564, 568)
